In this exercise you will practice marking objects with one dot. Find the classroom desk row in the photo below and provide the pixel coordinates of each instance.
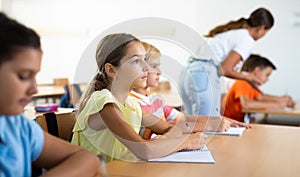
(283, 116)
(286, 116)
(50, 91)
(172, 98)
(263, 151)
(286, 111)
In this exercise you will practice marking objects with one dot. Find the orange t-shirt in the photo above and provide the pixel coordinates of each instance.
(232, 104)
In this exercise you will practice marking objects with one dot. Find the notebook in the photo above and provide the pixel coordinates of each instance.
(232, 131)
(191, 156)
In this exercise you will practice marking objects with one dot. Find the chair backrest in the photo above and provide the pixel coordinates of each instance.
(75, 93)
(59, 125)
(71, 96)
(60, 81)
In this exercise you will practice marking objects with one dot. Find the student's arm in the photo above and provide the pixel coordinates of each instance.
(257, 104)
(155, 123)
(228, 65)
(213, 123)
(142, 148)
(159, 126)
(70, 161)
(285, 98)
(267, 97)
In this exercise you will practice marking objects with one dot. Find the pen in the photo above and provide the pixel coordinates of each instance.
(103, 166)
(187, 125)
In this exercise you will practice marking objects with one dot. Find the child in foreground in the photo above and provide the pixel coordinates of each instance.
(22, 141)
(245, 95)
(153, 103)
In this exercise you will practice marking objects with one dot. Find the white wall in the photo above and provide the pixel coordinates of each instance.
(67, 27)
(280, 45)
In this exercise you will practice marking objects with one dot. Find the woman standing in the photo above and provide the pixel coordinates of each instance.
(231, 43)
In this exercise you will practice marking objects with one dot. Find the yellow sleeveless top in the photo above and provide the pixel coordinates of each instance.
(104, 142)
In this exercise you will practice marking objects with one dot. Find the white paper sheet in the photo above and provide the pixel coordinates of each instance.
(232, 131)
(192, 156)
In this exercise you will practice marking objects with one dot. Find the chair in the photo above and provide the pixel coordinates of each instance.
(71, 96)
(59, 125)
(60, 81)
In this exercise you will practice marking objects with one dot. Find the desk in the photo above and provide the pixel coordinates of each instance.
(263, 151)
(291, 113)
(49, 91)
(30, 113)
(55, 91)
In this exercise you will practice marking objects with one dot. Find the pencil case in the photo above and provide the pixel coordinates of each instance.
(46, 107)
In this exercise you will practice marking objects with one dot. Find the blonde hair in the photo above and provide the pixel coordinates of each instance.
(151, 51)
(260, 17)
(111, 49)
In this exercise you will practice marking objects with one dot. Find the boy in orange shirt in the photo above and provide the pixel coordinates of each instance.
(244, 95)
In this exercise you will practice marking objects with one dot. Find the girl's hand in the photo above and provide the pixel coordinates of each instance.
(194, 141)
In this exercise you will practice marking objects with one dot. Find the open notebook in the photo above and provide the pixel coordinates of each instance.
(232, 131)
(192, 156)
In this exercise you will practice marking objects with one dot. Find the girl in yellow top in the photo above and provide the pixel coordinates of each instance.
(109, 121)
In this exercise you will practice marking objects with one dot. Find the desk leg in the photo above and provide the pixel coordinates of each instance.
(248, 118)
(266, 118)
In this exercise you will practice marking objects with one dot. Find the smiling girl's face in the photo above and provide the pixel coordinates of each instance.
(17, 80)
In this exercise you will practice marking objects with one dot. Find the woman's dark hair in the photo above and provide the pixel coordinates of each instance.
(259, 17)
(257, 61)
(14, 37)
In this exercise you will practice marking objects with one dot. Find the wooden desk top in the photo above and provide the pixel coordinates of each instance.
(49, 91)
(52, 91)
(263, 151)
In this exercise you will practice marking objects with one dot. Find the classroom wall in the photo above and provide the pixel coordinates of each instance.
(68, 26)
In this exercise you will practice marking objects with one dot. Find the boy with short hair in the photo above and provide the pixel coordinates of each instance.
(245, 95)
